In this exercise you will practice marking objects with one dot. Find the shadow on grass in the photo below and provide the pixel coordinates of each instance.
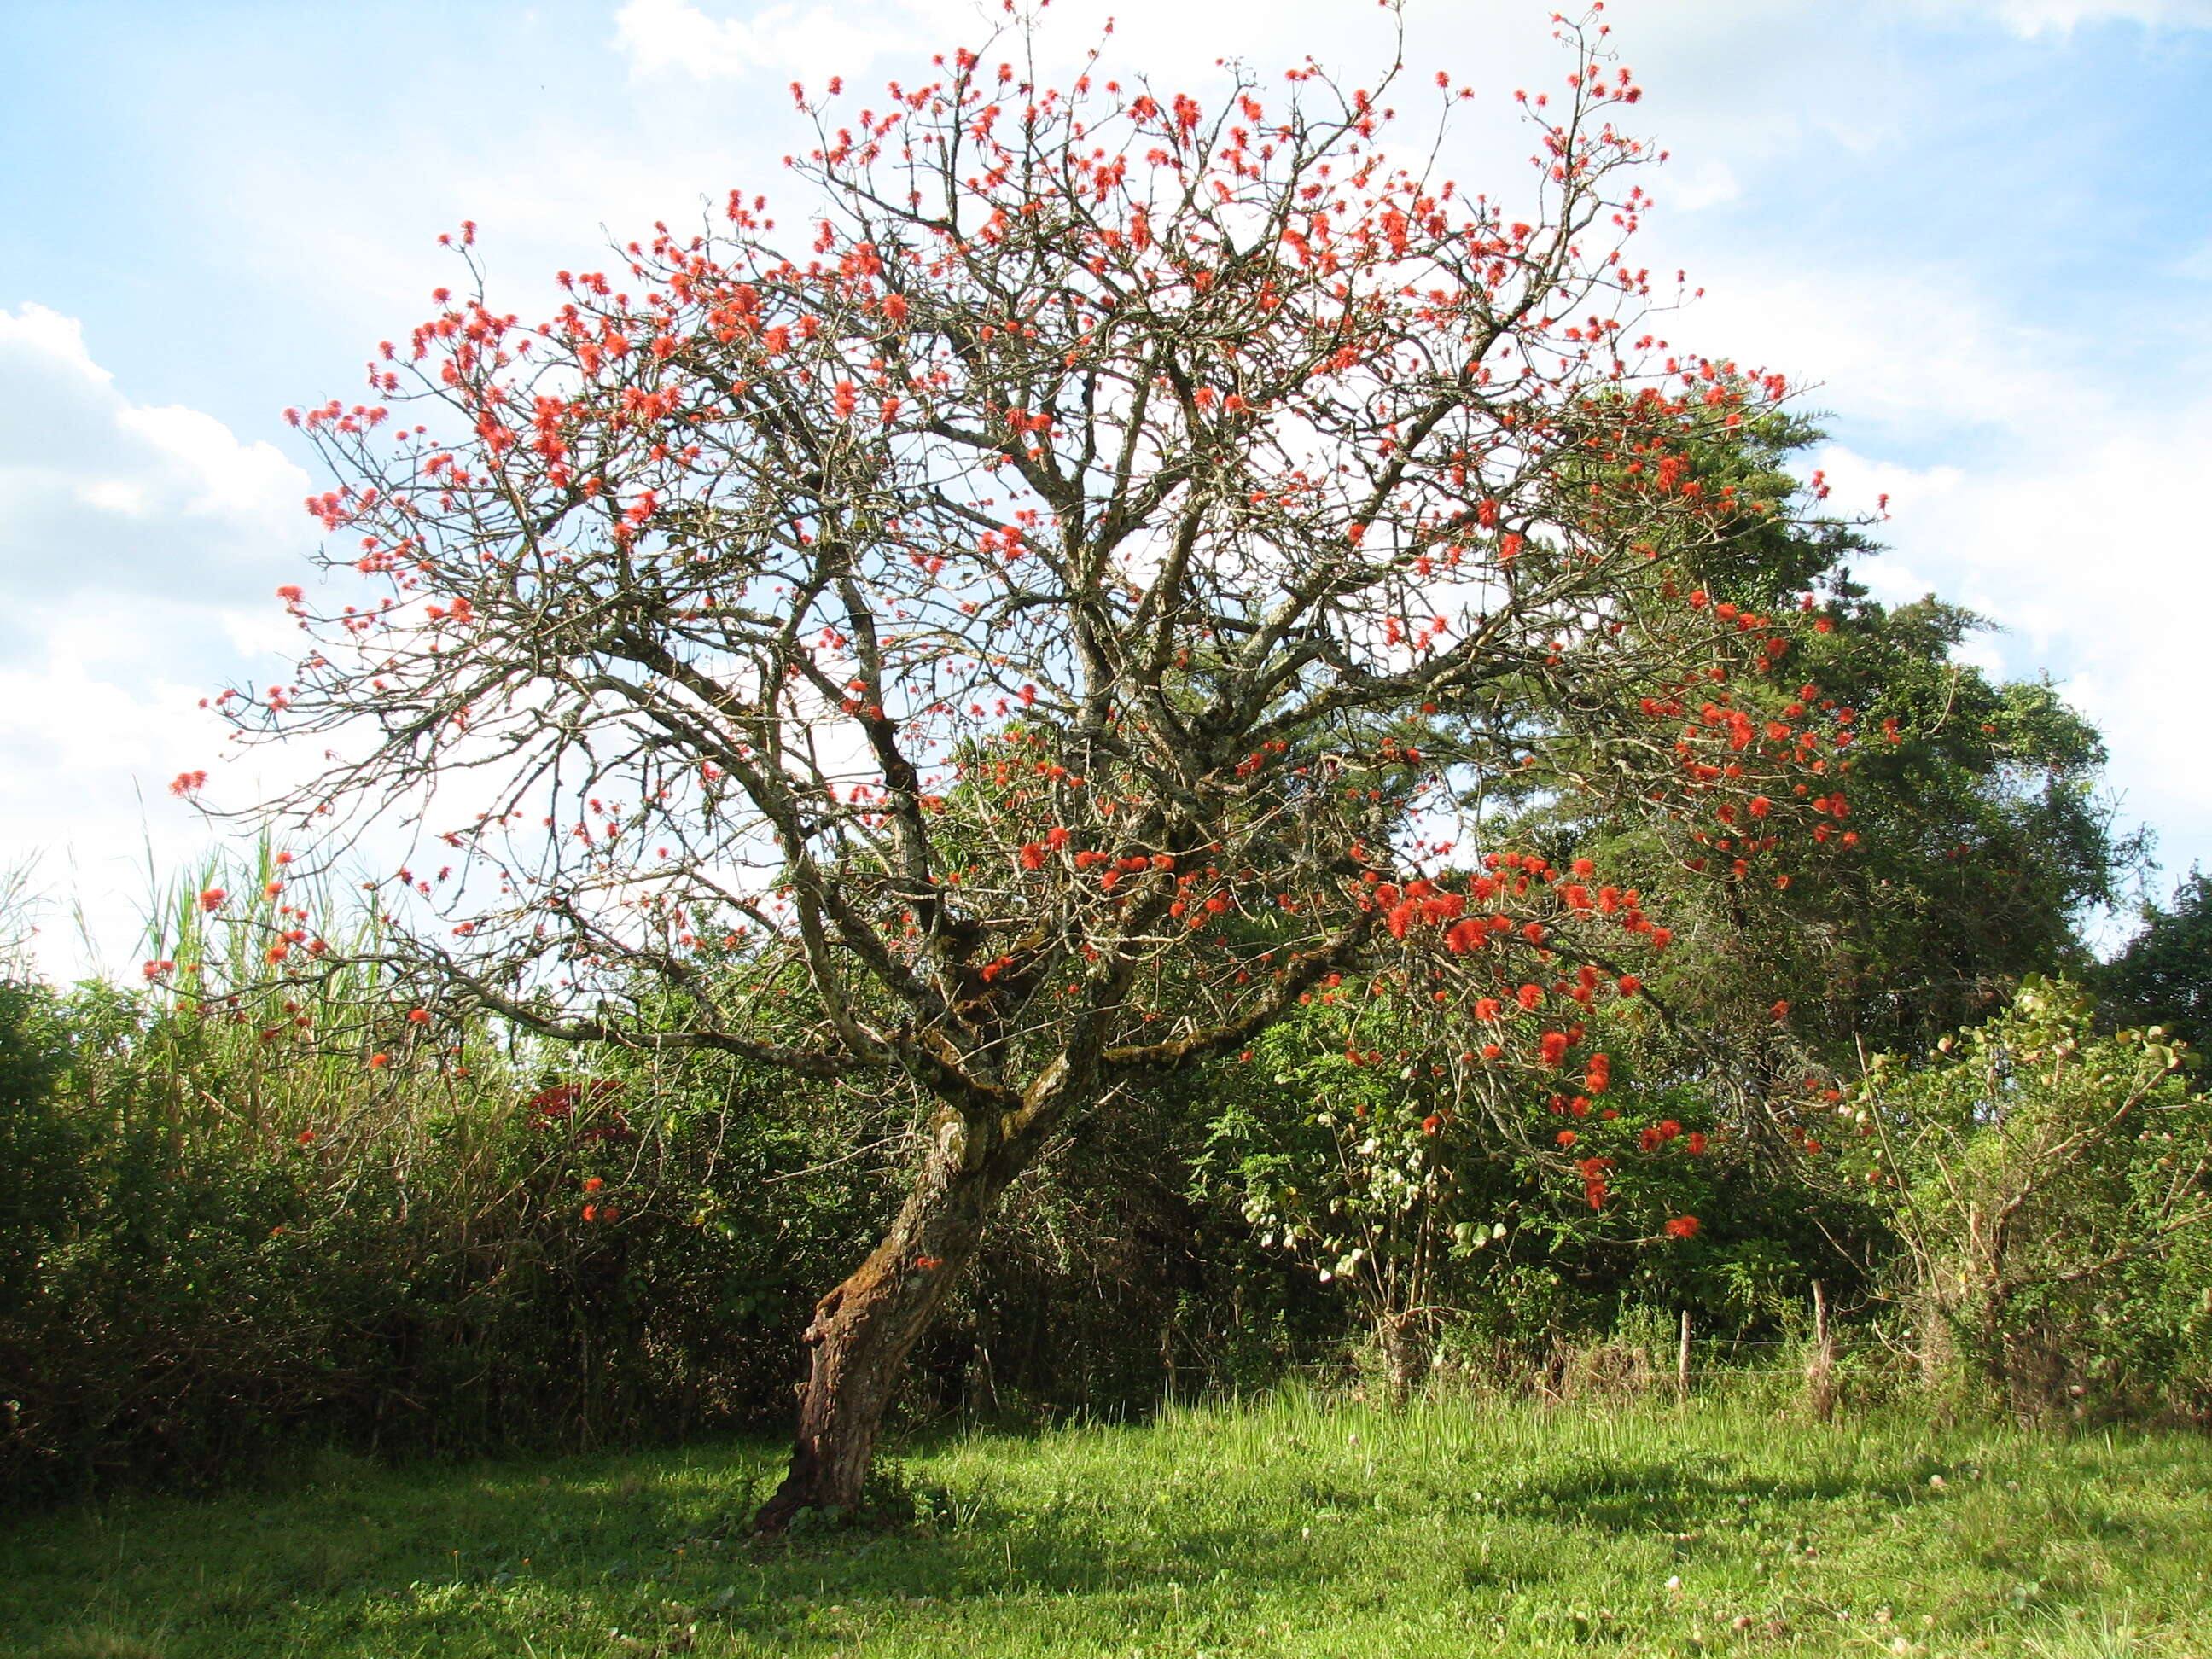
(359, 1560)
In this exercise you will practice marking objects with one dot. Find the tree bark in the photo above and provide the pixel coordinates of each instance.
(863, 1331)
(1405, 1350)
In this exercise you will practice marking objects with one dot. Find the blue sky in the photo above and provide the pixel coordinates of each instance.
(1981, 229)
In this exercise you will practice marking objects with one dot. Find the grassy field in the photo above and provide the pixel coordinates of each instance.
(1293, 1527)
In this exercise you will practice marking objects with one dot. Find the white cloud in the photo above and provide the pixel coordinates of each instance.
(99, 495)
(665, 37)
(2097, 561)
(2031, 18)
(1702, 185)
(141, 547)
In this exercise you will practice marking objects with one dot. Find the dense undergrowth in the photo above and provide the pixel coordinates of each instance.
(238, 1228)
(215, 1253)
(1298, 1526)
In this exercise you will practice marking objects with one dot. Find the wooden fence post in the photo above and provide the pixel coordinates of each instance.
(1820, 1370)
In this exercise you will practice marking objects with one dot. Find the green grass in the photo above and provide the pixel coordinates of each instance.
(1294, 1528)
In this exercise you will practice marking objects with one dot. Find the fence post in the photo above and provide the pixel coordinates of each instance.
(1820, 1370)
(1682, 1360)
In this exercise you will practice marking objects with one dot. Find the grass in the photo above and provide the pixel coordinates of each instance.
(1296, 1527)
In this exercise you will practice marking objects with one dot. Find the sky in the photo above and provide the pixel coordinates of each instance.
(1977, 232)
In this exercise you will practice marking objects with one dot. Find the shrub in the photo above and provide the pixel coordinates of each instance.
(2051, 1187)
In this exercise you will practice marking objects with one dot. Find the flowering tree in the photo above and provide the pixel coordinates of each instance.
(1025, 636)
(1354, 1144)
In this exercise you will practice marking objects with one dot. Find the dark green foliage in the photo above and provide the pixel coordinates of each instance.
(2164, 977)
(1497, 1246)
(1983, 839)
(201, 1273)
(1112, 1282)
(1964, 841)
(215, 1251)
(41, 1149)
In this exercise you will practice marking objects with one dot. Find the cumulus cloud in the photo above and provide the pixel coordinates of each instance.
(142, 545)
(99, 495)
(2098, 569)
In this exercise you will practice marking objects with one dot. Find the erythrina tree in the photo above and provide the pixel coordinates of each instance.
(1027, 636)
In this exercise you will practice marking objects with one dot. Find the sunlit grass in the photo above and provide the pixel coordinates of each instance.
(1297, 1527)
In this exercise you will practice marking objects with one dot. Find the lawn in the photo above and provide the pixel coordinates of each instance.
(1294, 1527)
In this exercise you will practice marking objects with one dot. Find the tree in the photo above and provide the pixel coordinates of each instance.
(1987, 836)
(1023, 641)
(2164, 974)
(1981, 836)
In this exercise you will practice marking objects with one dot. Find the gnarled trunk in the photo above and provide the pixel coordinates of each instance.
(863, 1331)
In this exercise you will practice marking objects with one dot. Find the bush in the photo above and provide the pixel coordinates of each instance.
(209, 1250)
(2053, 1189)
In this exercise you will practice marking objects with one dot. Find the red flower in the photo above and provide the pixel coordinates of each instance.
(1682, 1226)
(212, 899)
(377, 1062)
(592, 1183)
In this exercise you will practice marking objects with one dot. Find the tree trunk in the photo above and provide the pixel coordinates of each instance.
(1405, 1342)
(863, 1331)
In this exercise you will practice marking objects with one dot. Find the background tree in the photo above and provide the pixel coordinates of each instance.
(1980, 838)
(1024, 639)
(2164, 976)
